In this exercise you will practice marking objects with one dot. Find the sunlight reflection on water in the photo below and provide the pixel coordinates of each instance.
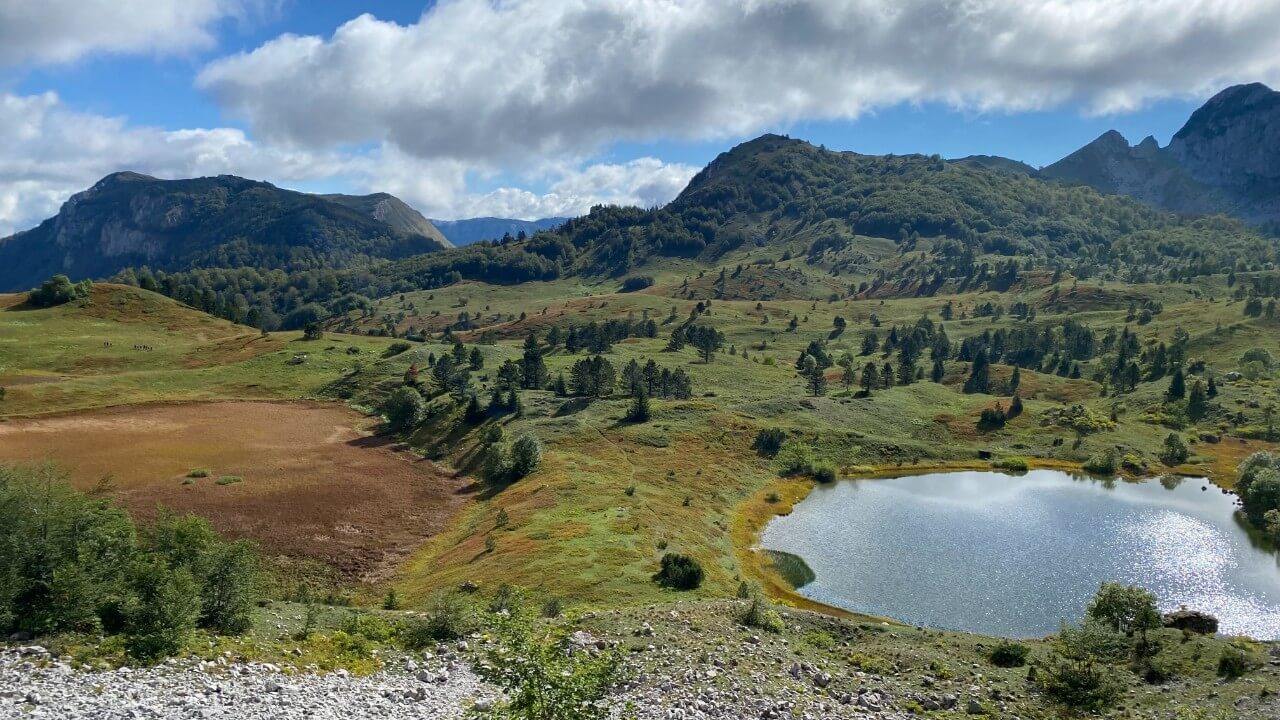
(996, 554)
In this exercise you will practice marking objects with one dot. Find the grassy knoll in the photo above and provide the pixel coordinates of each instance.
(127, 346)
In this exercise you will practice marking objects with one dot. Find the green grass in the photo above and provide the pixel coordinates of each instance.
(76, 357)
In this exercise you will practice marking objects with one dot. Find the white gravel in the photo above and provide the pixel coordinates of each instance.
(33, 685)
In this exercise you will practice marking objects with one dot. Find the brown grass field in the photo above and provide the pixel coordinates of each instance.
(314, 483)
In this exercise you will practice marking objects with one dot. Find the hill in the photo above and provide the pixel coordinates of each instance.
(471, 230)
(1226, 158)
(878, 225)
(131, 220)
(394, 212)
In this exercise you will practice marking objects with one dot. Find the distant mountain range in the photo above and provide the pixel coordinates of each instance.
(465, 232)
(130, 220)
(1225, 159)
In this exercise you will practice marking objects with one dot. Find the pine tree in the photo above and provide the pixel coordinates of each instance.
(939, 371)
(814, 376)
(1197, 401)
(979, 375)
(870, 377)
(1177, 386)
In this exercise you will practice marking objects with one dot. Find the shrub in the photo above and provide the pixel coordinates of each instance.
(1175, 451)
(758, 614)
(198, 473)
(1103, 463)
(636, 283)
(552, 608)
(58, 290)
(543, 675)
(448, 616)
(1012, 463)
(824, 473)
(396, 348)
(793, 458)
(679, 572)
(228, 480)
(1124, 608)
(404, 409)
(1080, 683)
(769, 441)
(1008, 654)
(873, 664)
(163, 611)
(1233, 663)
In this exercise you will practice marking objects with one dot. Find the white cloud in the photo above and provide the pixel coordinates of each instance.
(52, 152)
(523, 80)
(644, 182)
(34, 32)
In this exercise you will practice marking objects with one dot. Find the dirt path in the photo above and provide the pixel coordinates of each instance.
(314, 483)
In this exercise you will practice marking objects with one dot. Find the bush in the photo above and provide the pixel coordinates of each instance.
(1012, 463)
(824, 473)
(1079, 683)
(1175, 451)
(1233, 663)
(1124, 608)
(228, 480)
(404, 409)
(1008, 654)
(636, 283)
(198, 473)
(1103, 463)
(543, 675)
(794, 458)
(396, 348)
(873, 664)
(769, 441)
(448, 616)
(679, 572)
(758, 614)
(58, 290)
(163, 611)
(72, 562)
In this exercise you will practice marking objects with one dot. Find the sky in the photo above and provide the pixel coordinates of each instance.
(537, 108)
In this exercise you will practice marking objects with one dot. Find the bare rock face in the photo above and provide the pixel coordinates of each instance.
(1226, 159)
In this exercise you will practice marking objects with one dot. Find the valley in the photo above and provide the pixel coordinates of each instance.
(607, 419)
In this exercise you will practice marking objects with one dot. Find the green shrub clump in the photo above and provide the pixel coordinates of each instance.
(1008, 654)
(71, 562)
(679, 572)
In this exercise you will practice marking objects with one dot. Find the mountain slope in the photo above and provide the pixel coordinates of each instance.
(470, 230)
(394, 212)
(1226, 158)
(127, 220)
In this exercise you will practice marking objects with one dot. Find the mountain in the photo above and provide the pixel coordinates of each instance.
(394, 212)
(470, 230)
(129, 220)
(1226, 158)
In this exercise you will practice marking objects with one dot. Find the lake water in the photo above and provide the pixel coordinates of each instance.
(1012, 555)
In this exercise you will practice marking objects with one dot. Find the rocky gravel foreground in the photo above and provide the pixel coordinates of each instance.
(35, 684)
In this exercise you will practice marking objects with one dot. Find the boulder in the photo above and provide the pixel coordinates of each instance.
(1192, 620)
